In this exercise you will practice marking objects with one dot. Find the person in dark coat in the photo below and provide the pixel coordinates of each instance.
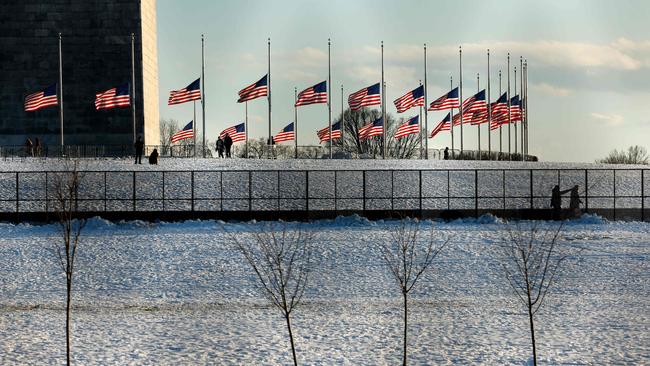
(220, 147)
(139, 146)
(574, 202)
(556, 201)
(38, 147)
(153, 157)
(29, 147)
(227, 141)
(446, 153)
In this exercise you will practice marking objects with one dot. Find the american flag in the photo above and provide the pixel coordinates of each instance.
(287, 134)
(255, 90)
(409, 127)
(375, 128)
(187, 94)
(447, 101)
(324, 133)
(478, 118)
(313, 95)
(475, 103)
(237, 133)
(41, 99)
(515, 109)
(115, 97)
(414, 98)
(365, 97)
(186, 133)
(500, 106)
(444, 125)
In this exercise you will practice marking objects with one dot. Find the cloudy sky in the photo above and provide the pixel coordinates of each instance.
(589, 62)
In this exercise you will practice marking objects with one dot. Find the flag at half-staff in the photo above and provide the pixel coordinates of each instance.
(447, 101)
(187, 94)
(365, 97)
(255, 90)
(412, 126)
(316, 94)
(475, 103)
(237, 133)
(444, 125)
(186, 133)
(375, 128)
(324, 133)
(499, 112)
(42, 99)
(515, 109)
(113, 98)
(286, 134)
(414, 98)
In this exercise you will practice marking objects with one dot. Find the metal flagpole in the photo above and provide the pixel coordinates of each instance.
(526, 104)
(61, 91)
(420, 124)
(342, 126)
(521, 106)
(133, 83)
(489, 105)
(509, 122)
(478, 89)
(460, 89)
(270, 146)
(383, 104)
(329, 92)
(203, 96)
(246, 129)
(451, 116)
(514, 125)
(295, 120)
(426, 120)
(194, 127)
(500, 124)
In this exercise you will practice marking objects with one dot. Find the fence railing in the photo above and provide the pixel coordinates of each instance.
(19, 152)
(613, 193)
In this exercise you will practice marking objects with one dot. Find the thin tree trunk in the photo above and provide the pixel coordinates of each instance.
(293, 348)
(405, 327)
(67, 321)
(532, 335)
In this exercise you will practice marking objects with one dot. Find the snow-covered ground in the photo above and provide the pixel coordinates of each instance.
(180, 294)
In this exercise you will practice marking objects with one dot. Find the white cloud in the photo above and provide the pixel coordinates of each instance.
(549, 89)
(608, 119)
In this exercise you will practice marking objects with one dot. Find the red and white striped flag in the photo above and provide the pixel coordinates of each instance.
(255, 90)
(414, 98)
(412, 126)
(375, 128)
(186, 133)
(113, 98)
(365, 97)
(313, 95)
(41, 99)
(237, 133)
(287, 134)
(187, 94)
(324, 133)
(444, 125)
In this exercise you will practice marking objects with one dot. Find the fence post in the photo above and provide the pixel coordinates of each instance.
(586, 191)
(364, 192)
(503, 182)
(420, 195)
(307, 191)
(47, 201)
(614, 170)
(476, 192)
(192, 189)
(642, 196)
(532, 204)
(335, 193)
(17, 194)
(279, 190)
(448, 191)
(392, 190)
(134, 190)
(163, 189)
(220, 190)
(105, 188)
(250, 191)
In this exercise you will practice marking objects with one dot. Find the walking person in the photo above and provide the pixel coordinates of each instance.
(220, 147)
(139, 146)
(29, 147)
(575, 201)
(227, 141)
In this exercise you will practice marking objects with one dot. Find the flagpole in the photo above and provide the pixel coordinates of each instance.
(521, 105)
(246, 128)
(269, 94)
(451, 116)
(515, 122)
(329, 92)
(426, 120)
(61, 91)
(500, 124)
(383, 104)
(342, 117)
(509, 117)
(526, 104)
(478, 89)
(295, 120)
(460, 58)
(133, 83)
(194, 127)
(203, 92)
(489, 103)
(420, 124)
